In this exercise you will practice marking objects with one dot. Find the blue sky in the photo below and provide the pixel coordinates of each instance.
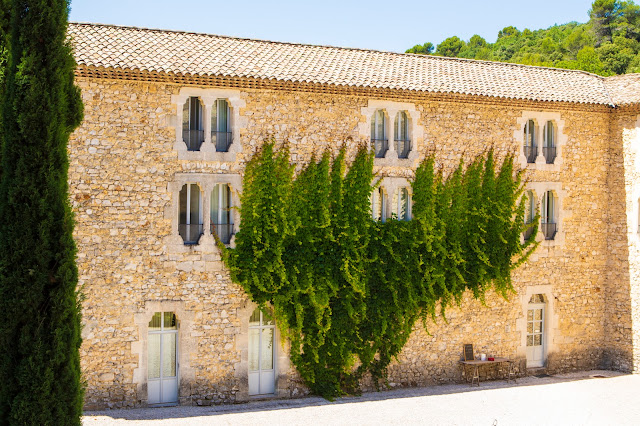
(373, 24)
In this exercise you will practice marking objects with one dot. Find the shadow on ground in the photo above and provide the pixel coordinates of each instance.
(177, 412)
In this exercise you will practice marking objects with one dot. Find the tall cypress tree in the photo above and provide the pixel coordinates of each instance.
(40, 379)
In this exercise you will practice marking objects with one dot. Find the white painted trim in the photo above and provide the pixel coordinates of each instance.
(551, 327)
(541, 118)
(209, 96)
(391, 109)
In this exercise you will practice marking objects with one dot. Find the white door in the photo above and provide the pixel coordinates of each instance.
(262, 378)
(162, 383)
(535, 335)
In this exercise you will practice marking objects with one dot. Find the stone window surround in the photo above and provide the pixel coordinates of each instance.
(185, 347)
(633, 215)
(539, 189)
(540, 118)
(206, 181)
(208, 97)
(551, 327)
(389, 187)
(241, 369)
(391, 109)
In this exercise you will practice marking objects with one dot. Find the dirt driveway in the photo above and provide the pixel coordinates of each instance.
(570, 399)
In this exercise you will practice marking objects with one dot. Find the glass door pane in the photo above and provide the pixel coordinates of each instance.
(266, 352)
(154, 356)
(169, 355)
(254, 349)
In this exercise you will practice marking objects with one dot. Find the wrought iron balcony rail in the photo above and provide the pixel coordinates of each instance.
(549, 153)
(221, 140)
(380, 147)
(224, 231)
(527, 233)
(531, 152)
(549, 230)
(403, 147)
(193, 139)
(190, 233)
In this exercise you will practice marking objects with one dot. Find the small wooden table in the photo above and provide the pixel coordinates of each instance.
(509, 372)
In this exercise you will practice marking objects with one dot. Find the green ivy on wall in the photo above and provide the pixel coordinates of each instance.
(347, 290)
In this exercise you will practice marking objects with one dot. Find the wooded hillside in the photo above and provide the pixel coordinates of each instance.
(608, 44)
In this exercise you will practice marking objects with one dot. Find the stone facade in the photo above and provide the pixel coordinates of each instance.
(128, 165)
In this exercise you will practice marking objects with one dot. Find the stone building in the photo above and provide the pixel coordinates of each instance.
(156, 167)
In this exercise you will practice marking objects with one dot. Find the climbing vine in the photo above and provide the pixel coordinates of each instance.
(347, 290)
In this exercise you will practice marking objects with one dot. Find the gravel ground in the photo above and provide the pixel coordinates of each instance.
(569, 399)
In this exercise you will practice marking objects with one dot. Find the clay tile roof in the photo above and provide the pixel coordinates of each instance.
(183, 53)
(624, 89)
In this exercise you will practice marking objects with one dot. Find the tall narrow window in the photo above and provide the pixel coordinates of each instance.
(530, 213)
(530, 148)
(401, 135)
(221, 215)
(549, 225)
(401, 204)
(221, 135)
(192, 124)
(377, 204)
(549, 148)
(190, 221)
(379, 134)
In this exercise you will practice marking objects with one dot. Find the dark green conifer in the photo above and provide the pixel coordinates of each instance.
(40, 379)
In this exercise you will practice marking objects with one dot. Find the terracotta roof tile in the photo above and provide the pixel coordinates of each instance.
(184, 53)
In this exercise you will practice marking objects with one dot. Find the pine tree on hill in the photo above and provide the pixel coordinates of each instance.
(608, 44)
(40, 377)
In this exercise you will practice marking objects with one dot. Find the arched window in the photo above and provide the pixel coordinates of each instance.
(549, 215)
(192, 124)
(401, 135)
(378, 204)
(190, 220)
(379, 134)
(530, 148)
(401, 204)
(549, 148)
(221, 135)
(529, 213)
(221, 214)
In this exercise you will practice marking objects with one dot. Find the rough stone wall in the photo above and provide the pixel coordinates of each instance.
(623, 293)
(123, 174)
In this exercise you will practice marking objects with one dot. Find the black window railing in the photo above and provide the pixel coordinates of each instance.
(380, 147)
(549, 230)
(528, 232)
(190, 233)
(549, 153)
(221, 140)
(193, 139)
(403, 147)
(531, 152)
(224, 231)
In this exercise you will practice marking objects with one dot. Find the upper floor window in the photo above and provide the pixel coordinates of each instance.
(190, 213)
(529, 212)
(401, 135)
(549, 147)
(379, 133)
(221, 125)
(530, 147)
(378, 204)
(221, 214)
(401, 204)
(549, 215)
(193, 123)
